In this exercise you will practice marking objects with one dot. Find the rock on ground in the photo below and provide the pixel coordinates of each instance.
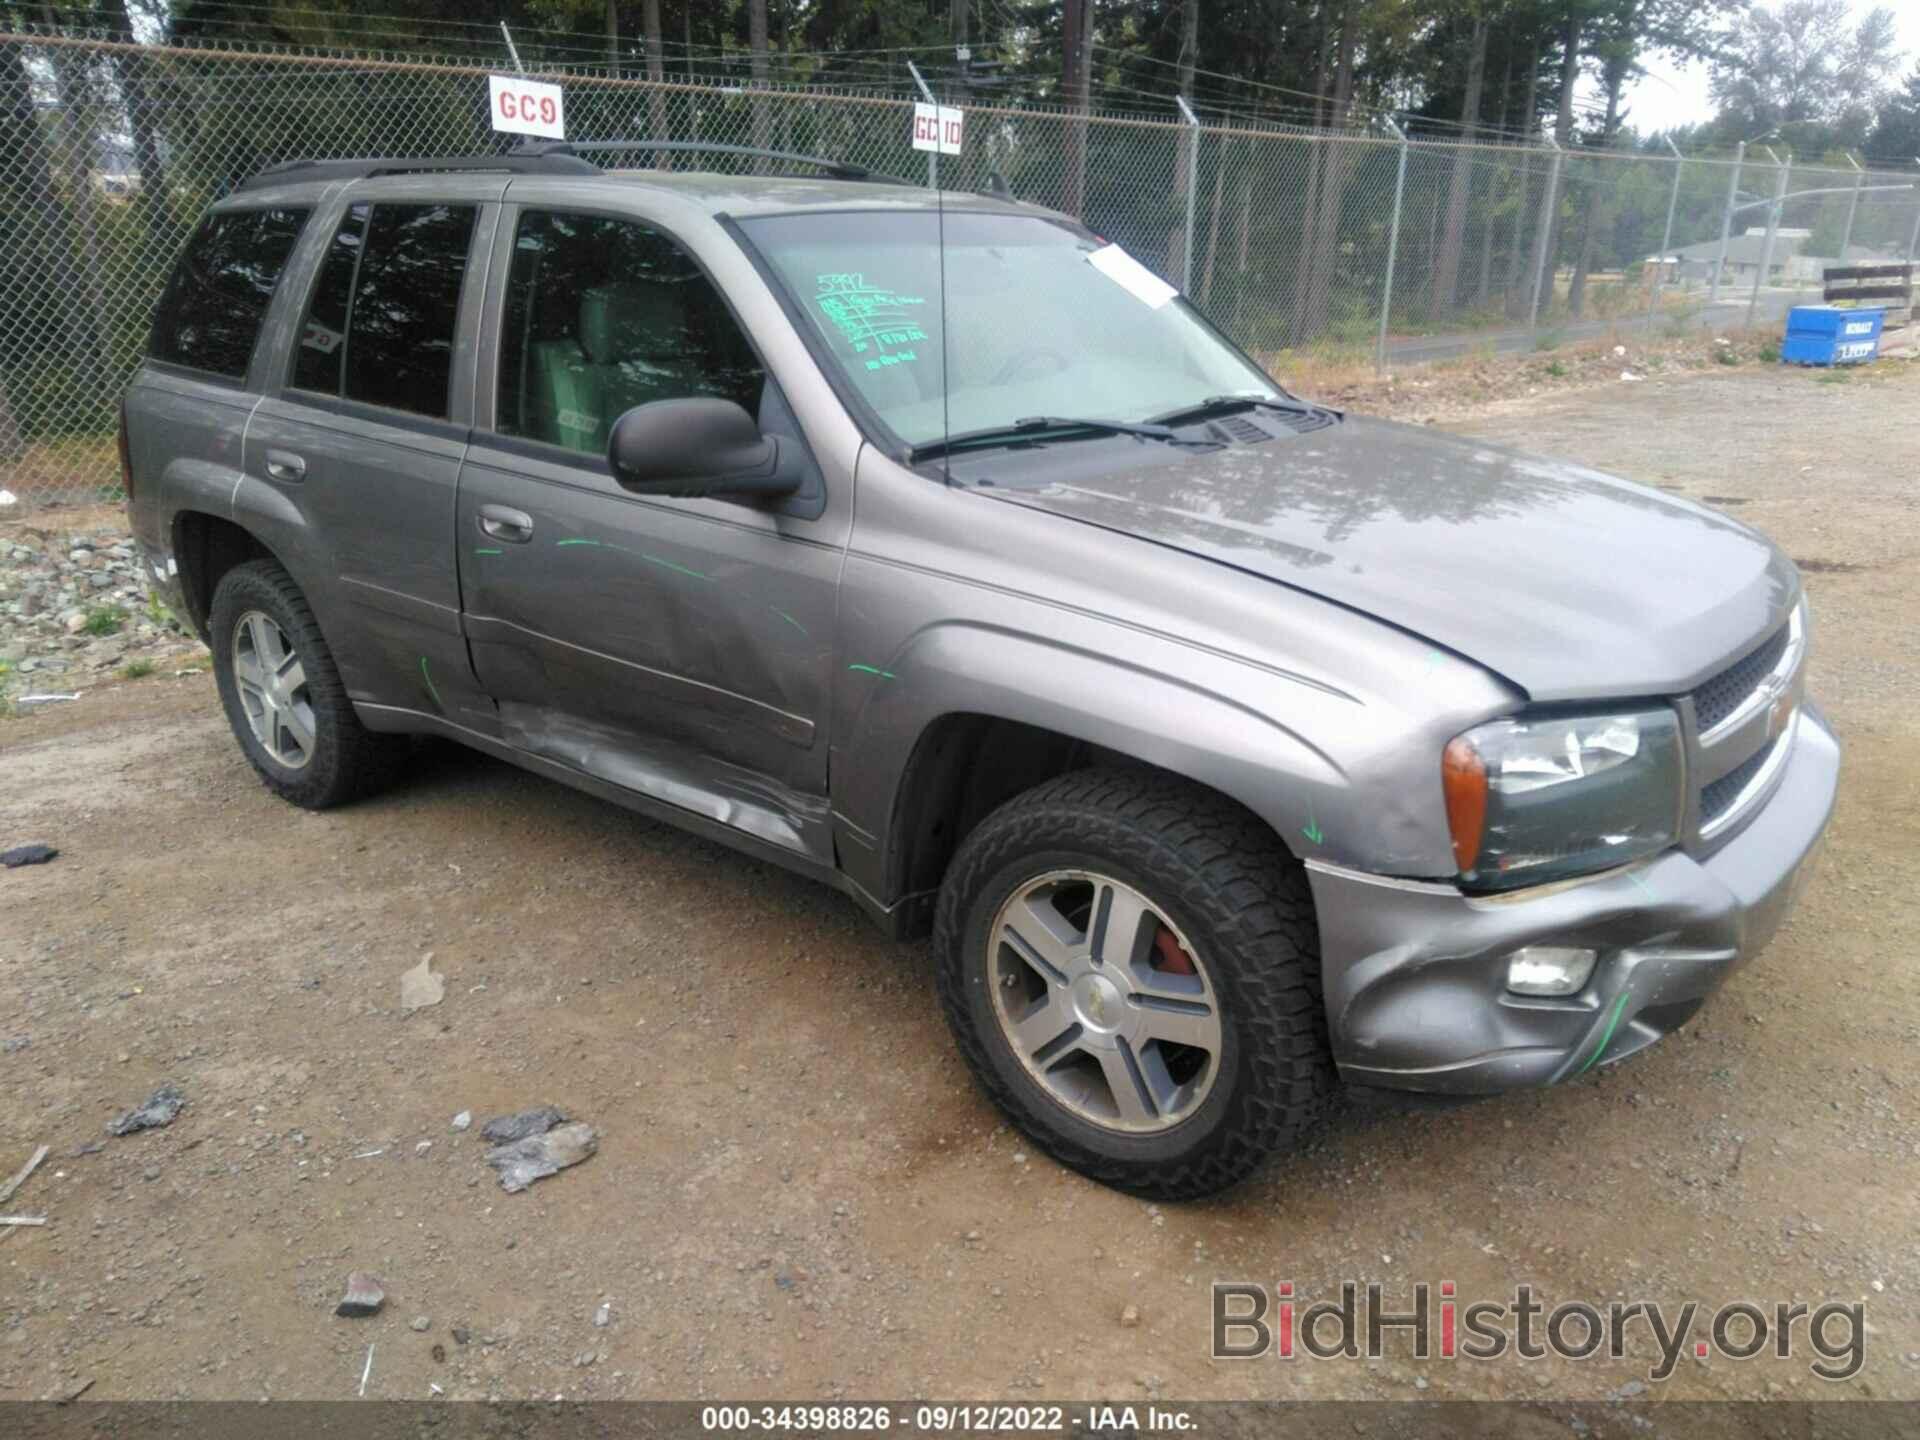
(158, 1109)
(364, 1296)
(538, 1156)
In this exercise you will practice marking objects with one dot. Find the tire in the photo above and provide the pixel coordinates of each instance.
(1237, 909)
(343, 760)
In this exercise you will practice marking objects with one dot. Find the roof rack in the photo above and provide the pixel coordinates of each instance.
(512, 163)
(537, 157)
(837, 169)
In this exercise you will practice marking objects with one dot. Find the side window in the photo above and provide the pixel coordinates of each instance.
(216, 299)
(380, 324)
(603, 315)
(322, 348)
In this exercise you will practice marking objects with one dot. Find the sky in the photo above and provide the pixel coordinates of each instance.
(1671, 95)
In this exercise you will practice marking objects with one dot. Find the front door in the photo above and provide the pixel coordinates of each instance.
(679, 648)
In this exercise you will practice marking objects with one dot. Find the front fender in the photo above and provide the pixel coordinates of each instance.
(1261, 755)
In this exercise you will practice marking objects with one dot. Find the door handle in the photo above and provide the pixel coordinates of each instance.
(513, 526)
(285, 465)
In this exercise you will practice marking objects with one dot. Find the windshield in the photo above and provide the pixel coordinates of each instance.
(1040, 319)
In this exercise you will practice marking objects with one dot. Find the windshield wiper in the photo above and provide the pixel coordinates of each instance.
(1053, 427)
(1216, 405)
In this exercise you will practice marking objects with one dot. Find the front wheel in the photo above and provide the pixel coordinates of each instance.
(1131, 967)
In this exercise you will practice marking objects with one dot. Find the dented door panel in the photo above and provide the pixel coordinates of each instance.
(621, 630)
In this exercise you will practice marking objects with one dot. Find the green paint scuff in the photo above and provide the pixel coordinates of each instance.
(1606, 1035)
(427, 675)
(873, 670)
(678, 569)
(1312, 828)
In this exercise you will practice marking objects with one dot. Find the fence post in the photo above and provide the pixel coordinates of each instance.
(1666, 239)
(1766, 250)
(1193, 183)
(1545, 267)
(933, 156)
(1726, 222)
(512, 49)
(1393, 248)
(1853, 205)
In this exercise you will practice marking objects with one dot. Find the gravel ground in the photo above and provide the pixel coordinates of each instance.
(797, 1192)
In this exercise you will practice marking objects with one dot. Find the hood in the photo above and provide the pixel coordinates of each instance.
(1569, 583)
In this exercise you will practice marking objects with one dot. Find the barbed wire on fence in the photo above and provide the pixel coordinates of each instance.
(1351, 243)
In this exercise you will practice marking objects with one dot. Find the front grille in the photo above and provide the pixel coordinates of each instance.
(1717, 798)
(1721, 695)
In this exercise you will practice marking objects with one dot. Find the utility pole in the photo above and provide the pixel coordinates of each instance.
(1076, 17)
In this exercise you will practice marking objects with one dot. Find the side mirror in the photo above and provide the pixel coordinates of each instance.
(695, 446)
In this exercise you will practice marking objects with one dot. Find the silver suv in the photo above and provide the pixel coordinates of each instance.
(1229, 746)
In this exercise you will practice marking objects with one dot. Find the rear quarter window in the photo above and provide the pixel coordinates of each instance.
(211, 311)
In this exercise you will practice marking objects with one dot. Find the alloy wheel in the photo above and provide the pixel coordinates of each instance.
(1104, 1002)
(273, 689)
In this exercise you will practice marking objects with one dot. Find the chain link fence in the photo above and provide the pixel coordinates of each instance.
(1357, 246)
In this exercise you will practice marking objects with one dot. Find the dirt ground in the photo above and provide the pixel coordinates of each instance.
(798, 1193)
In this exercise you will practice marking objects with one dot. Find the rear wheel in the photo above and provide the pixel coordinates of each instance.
(284, 697)
(1131, 967)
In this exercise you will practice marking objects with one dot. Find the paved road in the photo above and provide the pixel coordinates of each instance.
(1425, 349)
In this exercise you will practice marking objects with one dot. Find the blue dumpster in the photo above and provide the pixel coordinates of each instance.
(1831, 335)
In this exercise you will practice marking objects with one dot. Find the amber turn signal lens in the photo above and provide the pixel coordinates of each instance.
(1463, 776)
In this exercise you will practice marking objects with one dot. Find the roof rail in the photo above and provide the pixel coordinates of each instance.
(838, 169)
(294, 171)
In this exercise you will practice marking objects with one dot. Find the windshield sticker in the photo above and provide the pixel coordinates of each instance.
(877, 324)
(1131, 276)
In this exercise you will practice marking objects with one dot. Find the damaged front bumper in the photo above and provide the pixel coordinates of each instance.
(1415, 973)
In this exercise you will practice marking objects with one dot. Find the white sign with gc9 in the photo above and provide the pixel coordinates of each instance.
(527, 107)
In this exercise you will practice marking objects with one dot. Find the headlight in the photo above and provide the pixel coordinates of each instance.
(1540, 799)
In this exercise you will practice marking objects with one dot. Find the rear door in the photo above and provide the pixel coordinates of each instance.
(188, 405)
(362, 432)
(679, 648)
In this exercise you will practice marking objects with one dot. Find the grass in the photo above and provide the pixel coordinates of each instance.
(105, 620)
(1556, 369)
(136, 670)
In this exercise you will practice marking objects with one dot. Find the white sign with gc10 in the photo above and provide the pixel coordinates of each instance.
(938, 127)
(527, 107)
